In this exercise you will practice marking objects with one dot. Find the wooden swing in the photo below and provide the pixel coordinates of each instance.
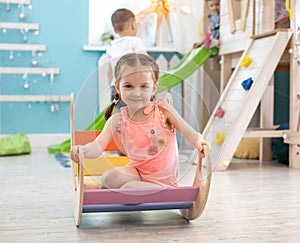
(191, 200)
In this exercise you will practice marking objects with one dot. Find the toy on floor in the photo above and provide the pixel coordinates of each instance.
(15, 144)
(63, 159)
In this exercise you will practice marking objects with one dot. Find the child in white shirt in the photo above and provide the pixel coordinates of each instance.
(123, 21)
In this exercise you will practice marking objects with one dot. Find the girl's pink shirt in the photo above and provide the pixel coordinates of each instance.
(150, 146)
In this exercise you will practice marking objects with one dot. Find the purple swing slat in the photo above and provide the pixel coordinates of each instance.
(135, 207)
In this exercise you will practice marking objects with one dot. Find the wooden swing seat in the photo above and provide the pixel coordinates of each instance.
(191, 200)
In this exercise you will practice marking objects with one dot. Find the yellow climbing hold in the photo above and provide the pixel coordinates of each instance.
(287, 7)
(220, 137)
(246, 61)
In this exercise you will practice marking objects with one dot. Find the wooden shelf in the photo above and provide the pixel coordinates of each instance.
(23, 70)
(20, 26)
(21, 47)
(35, 98)
(15, 1)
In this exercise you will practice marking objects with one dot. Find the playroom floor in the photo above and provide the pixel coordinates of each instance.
(250, 202)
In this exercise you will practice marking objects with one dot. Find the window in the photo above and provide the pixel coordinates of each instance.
(183, 15)
(100, 13)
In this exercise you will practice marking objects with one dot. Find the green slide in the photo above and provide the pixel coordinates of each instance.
(187, 65)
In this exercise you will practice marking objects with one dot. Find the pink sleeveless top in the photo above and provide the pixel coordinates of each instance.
(150, 146)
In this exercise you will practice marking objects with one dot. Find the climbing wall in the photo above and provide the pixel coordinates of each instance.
(242, 95)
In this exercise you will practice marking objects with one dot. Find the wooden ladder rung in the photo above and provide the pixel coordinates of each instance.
(264, 133)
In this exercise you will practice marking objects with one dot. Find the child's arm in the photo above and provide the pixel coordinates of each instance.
(200, 43)
(197, 44)
(94, 149)
(193, 137)
(209, 27)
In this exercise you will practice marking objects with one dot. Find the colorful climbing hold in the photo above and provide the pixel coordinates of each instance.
(247, 83)
(220, 137)
(246, 61)
(220, 112)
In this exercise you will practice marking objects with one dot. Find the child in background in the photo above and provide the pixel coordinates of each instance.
(214, 24)
(281, 15)
(123, 21)
(145, 129)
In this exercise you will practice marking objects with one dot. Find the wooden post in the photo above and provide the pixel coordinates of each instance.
(231, 16)
(268, 16)
(294, 151)
(244, 15)
(226, 71)
(254, 18)
(266, 121)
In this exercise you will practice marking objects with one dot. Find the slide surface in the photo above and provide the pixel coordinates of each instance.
(186, 66)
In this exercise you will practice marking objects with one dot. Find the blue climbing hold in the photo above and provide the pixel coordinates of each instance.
(247, 83)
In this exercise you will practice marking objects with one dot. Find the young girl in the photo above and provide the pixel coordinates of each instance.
(144, 128)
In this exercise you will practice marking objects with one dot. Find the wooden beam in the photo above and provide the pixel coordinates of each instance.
(266, 34)
(292, 137)
(264, 133)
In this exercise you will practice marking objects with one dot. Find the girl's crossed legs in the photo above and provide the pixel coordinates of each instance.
(121, 177)
(124, 177)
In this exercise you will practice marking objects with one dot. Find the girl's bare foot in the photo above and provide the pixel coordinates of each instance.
(92, 185)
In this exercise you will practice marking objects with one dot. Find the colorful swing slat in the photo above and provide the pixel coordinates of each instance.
(140, 195)
(135, 207)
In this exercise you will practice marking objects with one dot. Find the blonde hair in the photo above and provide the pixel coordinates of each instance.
(138, 62)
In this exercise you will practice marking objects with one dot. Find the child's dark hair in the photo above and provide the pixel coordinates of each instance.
(120, 19)
(139, 63)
